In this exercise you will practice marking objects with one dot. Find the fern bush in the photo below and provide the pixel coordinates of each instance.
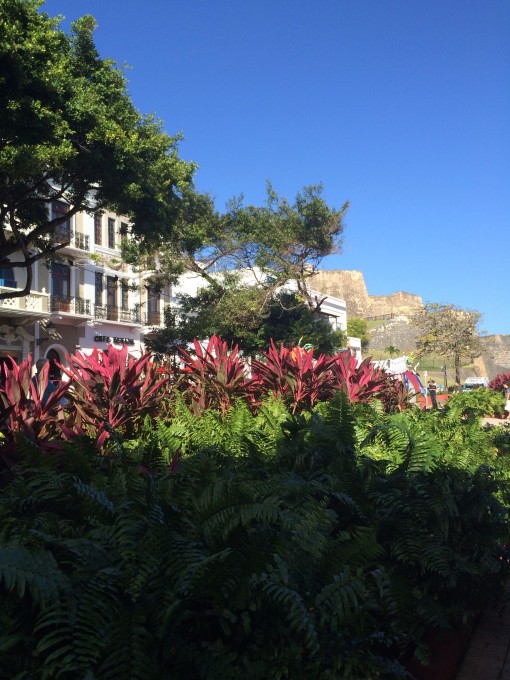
(213, 571)
(317, 544)
(477, 403)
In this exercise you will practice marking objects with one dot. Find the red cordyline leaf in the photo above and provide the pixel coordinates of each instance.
(360, 383)
(113, 387)
(215, 376)
(394, 395)
(294, 375)
(22, 397)
(102, 438)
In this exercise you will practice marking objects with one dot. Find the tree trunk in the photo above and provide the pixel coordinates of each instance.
(457, 368)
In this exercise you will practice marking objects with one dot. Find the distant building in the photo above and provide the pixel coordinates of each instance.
(332, 308)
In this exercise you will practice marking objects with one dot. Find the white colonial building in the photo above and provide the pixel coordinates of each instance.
(89, 297)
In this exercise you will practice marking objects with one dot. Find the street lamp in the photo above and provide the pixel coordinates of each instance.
(444, 369)
(51, 329)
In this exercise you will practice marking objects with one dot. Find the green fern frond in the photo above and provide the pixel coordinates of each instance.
(35, 570)
(402, 444)
(356, 547)
(93, 500)
(292, 609)
(341, 599)
(212, 578)
(130, 650)
(220, 522)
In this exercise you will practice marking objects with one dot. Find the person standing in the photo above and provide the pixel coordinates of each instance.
(432, 390)
(506, 387)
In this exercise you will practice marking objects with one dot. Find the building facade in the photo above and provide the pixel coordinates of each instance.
(89, 297)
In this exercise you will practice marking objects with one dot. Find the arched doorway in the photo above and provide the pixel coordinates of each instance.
(53, 356)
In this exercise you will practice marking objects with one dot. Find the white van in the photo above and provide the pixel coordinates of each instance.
(474, 382)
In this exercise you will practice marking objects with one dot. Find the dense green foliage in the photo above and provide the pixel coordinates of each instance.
(236, 313)
(209, 524)
(69, 132)
(241, 543)
(358, 328)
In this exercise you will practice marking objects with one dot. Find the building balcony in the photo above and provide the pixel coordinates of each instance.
(81, 241)
(33, 304)
(70, 305)
(72, 239)
(111, 313)
(153, 319)
(109, 259)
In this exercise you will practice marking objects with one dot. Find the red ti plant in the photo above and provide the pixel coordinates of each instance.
(498, 383)
(360, 383)
(112, 391)
(394, 395)
(21, 402)
(215, 376)
(294, 375)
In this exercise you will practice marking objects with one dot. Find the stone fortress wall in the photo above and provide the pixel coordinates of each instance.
(496, 354)
(350, 286)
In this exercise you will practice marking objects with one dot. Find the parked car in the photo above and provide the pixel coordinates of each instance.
(474, 382)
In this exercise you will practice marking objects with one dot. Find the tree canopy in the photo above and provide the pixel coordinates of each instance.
(276, 242)
(69, 131)
(449, 331)
(233, 313)
(245, 257)
(71, 134)
(358, 328)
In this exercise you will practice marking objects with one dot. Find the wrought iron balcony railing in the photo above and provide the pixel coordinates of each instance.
(71, 305)
(113, 313)
(153, 319)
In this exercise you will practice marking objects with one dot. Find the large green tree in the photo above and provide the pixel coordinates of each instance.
(272, 244)
(245, 258)
(358, 328)
(449, 331)
(69, 132)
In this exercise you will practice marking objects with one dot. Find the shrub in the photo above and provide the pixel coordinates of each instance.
(498, 382)
(112, 392)
(283, 545)
(360, 383)
(25, 413)
(477, 403)
(294, 376)
(215, 376)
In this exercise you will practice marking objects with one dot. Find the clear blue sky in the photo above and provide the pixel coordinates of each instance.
(401, 107)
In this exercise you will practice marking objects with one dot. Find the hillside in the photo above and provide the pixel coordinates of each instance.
(401, 333)
(397, 328)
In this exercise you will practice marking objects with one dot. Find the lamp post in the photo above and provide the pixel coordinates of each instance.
(51, 329)
(444, 369)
